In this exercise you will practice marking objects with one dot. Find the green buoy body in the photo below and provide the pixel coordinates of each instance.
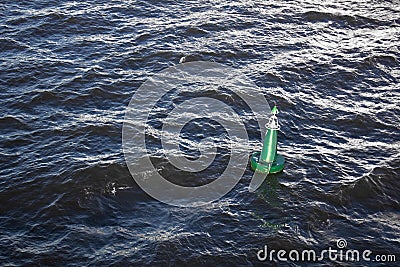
(268, 160)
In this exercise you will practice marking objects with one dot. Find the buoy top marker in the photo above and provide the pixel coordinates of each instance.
(274, 110)
(273, 120)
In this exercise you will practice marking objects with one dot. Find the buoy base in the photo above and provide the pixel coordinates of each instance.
(277, 165)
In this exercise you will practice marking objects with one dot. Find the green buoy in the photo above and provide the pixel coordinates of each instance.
(268, 160)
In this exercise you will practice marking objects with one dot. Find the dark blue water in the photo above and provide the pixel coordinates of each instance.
(69, 69)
